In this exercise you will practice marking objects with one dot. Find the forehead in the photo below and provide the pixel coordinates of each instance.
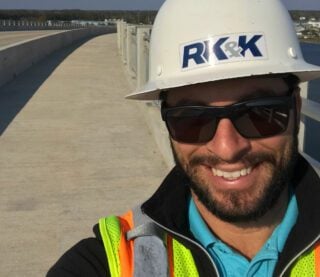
(227, 91)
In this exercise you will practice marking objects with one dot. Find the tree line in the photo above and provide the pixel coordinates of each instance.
(134, 17)
(296, 15)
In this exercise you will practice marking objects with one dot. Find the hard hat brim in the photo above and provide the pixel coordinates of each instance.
(304, 71)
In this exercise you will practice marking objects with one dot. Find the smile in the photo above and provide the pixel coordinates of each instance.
(231, 175)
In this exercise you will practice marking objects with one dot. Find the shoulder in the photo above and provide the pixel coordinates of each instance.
(86, 258)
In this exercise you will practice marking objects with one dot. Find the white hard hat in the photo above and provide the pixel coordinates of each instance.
(197, 41)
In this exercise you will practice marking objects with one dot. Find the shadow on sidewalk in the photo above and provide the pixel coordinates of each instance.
(16, 94)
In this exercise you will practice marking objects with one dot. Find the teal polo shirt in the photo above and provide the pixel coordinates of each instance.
(233, 264)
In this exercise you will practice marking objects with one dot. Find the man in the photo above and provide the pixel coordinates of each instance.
(241, 201)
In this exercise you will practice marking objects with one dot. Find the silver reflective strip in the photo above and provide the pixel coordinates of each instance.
(150, 253)
(150, 257)
(146, 229)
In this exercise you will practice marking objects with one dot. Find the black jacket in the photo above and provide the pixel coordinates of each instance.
(168, 207)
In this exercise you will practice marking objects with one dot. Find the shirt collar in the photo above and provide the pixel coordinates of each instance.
(276, 242)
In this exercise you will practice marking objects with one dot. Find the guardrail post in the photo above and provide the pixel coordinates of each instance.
(304, 94)
(132, 50)
(124, 42)
(119, 34)
(143, 40)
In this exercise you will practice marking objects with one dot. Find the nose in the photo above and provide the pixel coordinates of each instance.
(227, 143)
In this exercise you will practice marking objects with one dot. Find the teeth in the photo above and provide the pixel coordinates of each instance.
(233, 174)
(243, 172)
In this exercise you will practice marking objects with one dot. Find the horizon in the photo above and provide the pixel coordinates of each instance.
(101, 10)
(122, 5)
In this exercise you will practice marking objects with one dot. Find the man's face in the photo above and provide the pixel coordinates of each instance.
(236, 178)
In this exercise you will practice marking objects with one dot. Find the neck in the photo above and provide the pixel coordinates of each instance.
(246, 237)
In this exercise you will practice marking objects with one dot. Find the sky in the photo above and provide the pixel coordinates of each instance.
(122, 4)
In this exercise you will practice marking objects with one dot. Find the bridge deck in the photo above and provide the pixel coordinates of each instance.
(11, 37)
(71, 150)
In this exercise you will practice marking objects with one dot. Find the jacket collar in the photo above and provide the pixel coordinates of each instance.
(168, 206)
(307, 228)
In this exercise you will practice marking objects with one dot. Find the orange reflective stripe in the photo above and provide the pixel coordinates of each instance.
(170, 255)
(126, 247)
(317, 259)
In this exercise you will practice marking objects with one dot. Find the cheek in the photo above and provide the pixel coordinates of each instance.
(183, 151)
(277, 145)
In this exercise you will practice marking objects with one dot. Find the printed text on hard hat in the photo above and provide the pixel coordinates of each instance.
(223, 49)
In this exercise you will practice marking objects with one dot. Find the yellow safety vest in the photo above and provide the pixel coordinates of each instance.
(120, 252)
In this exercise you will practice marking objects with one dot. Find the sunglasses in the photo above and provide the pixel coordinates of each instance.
(253, 119)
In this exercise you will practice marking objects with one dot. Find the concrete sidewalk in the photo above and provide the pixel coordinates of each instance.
(71, 150)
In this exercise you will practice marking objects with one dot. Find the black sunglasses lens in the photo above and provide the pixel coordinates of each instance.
(262, 122)
(191, 129)
(256, 119)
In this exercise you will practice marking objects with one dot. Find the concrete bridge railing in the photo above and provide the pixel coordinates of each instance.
(133, 43)
(16, 58)
(310, 109)
(24, 25)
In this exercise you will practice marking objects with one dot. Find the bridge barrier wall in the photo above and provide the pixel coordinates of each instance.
(134, 40)
(25, 25)
(16, 58)
(137, 45)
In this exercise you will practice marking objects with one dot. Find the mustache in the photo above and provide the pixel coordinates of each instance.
(249, 159)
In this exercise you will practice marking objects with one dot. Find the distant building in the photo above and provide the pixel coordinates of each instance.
(87, 23)
(299, 30)
(298, 26)
(307, 28)
(314, 23)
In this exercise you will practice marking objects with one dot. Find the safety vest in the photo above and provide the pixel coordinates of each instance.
(136, 247)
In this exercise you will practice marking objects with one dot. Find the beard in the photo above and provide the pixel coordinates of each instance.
(246, 206)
